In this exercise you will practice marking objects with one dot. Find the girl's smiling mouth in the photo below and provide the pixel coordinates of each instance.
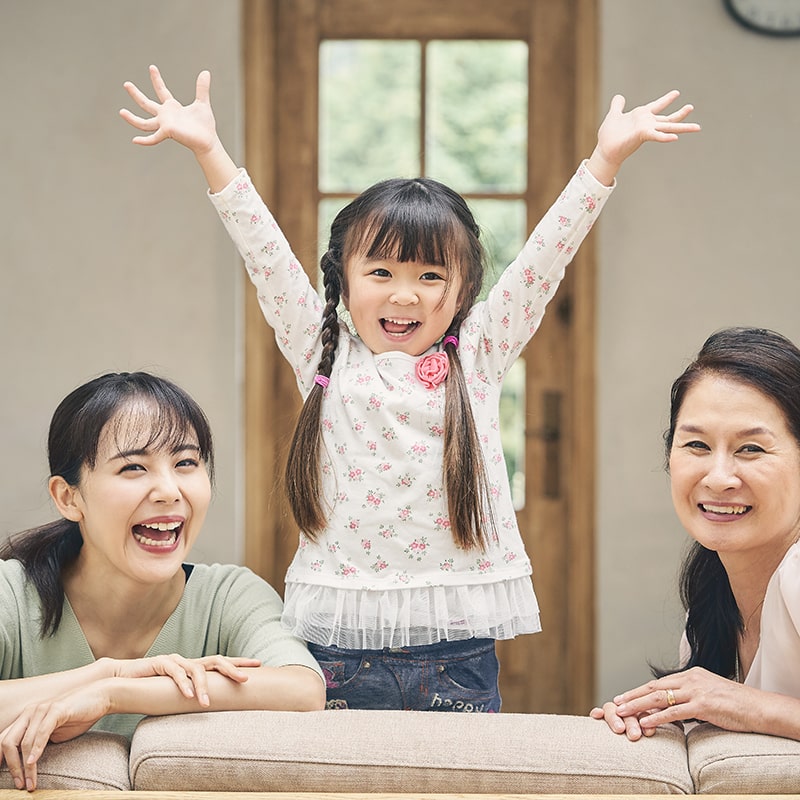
(399, 327)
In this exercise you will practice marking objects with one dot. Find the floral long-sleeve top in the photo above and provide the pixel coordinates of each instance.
(386, 572)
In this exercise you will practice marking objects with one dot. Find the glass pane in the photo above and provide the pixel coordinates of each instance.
(369, 112)
(477, 115)
(503, 232)
(327, 210)
(512, 430)
(503, 225)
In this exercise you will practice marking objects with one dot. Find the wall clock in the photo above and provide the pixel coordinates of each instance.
(772, 17)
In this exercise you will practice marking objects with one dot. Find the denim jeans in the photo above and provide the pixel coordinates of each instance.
(447, 676)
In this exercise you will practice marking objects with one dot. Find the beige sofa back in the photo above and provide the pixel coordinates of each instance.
(417, 753)
(402, 751)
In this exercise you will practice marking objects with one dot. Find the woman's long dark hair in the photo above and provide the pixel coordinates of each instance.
(418, 220)
(131, 402)
(769, 363)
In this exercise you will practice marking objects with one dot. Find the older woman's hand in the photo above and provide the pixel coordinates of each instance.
(628, 725)
(695, 694)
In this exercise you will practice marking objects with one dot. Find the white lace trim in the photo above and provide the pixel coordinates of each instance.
(372, 620)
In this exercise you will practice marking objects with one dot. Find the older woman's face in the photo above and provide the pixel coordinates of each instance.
(735, 470)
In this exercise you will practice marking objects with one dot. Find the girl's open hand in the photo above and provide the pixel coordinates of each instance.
(189, 674)
(192, 126)
(622, 132)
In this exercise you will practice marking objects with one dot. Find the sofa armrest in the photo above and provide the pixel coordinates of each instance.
(96, 760)
(725, 762)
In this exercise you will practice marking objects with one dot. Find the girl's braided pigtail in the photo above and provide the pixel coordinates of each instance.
(466, 483)
(303, 478)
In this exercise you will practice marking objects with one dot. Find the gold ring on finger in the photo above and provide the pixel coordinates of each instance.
(670, 697)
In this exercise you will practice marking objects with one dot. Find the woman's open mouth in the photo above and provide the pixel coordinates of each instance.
(731, 511)
(159, 535)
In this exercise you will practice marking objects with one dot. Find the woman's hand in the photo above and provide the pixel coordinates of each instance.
(693, 694)
(189, 674)
(74, 712)
(22, 743)
(627, 725)
(623, 132)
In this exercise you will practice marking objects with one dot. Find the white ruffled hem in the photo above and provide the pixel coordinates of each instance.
(372, 620)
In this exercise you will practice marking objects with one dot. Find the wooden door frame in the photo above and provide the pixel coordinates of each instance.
(277, 32)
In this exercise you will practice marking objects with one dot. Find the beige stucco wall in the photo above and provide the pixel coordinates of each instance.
(699, 236)
(112, 259)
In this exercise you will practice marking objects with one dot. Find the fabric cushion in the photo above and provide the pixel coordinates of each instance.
(402, 751)
(725, 762)
(96, 760)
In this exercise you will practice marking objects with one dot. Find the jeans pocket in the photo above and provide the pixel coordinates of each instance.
(338, 668)
(468, 684)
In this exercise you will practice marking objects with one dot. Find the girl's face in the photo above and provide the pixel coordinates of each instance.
(140, 510)
(400, 306)
(735, 470)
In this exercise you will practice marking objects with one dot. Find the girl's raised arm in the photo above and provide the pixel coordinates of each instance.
(192, 125)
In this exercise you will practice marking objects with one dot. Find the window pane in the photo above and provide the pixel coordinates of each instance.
(327, 210)
(503, 225)
(477, 115)
(512, 429)
(369, 112)
(503, 232)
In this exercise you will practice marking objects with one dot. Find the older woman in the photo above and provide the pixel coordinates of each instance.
(101, 618)
(733, 448)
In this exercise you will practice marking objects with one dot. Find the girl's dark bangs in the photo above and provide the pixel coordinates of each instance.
(410, 234)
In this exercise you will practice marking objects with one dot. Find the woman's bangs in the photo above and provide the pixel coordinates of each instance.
(145, 425)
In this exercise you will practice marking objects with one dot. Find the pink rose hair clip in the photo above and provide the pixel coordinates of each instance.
(433, 369)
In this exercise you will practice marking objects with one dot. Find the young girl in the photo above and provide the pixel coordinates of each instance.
(95, 607)
(410, 563)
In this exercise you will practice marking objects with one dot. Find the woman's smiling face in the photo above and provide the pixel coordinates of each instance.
(142, 505)
(735, 469)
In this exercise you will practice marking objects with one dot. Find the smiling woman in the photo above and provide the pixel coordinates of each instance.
(733, 447)
(102, 620)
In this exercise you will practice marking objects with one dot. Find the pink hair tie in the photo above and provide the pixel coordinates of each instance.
(450, 340)
(322, 380)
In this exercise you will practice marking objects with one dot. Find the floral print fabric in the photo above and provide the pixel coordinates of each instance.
(386, 571)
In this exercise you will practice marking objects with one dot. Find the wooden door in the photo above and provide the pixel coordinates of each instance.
(552, 671)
